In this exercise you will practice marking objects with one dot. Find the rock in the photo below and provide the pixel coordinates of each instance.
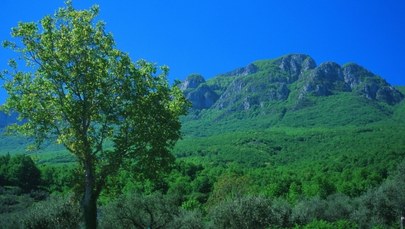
(202, 97)
(328, 71)
(369, 85)
(354, 74)
(295, 65)
(378, 89)
(323, 80)
(192, 82)
(249, 69)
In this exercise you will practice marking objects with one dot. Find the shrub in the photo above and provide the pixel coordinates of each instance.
(247, 212)
(137, 211)
(56, 213)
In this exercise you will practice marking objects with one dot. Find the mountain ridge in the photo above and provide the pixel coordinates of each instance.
(282, 72)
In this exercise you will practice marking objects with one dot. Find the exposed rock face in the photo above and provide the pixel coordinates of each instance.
(198, 93)
(323, 80)
(296, 64)
(246, 93)
(232, 94)
(329, 78)
(369, 85)
(249, 69)
(192, 81)
(354, 74)
(203, 97)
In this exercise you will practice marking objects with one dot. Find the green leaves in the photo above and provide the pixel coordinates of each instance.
(82, 92)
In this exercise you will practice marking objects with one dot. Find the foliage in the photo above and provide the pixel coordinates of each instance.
(248, 212)
(56, 213)
(84, 92)
(148, 211)
(321, 224)
(19, 171)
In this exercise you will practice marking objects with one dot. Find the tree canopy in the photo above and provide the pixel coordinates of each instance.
(89, 96)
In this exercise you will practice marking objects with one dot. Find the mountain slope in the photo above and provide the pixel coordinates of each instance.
(288, 91)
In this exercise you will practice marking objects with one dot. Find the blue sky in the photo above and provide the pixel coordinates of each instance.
(213, 36)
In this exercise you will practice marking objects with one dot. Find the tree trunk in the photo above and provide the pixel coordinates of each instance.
(89, 201)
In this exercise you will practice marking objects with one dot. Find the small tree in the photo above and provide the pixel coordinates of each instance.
(23, 173)
(85, 92)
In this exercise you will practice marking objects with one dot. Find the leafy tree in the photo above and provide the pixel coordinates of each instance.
(55, 213)
(23, 172)
(84, 92)
(249, 212)
(140, 211)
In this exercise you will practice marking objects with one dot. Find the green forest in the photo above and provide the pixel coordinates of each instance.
(104, 142)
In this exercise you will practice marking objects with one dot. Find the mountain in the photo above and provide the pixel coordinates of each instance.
(289, 91)
(293, 115)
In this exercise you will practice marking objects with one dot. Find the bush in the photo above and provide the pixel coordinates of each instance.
(321, 224)
(380, 207)
(55, 213)
(249, 212)
(188, 220)
(137, 211)
(19, 170)
(335, 207)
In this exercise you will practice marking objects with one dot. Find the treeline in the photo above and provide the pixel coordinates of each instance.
(193, 196)
(20, 171)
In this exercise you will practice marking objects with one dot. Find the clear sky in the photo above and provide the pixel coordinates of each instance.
(215, 36)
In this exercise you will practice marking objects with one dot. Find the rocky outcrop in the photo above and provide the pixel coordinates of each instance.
(245, 93)
(192, 82)
(323, 80)
(295, 64)
(329, 78)
(249, 69)
(369, 85)
(202, 97)
(198, 92)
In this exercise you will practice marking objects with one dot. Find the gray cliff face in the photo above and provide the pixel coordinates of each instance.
(369, 85)
(329, 78)
(295, 64)
(202, 98)
(198, 93)
(323, 80)
(192, 82)
(249, 69)
(354, 74)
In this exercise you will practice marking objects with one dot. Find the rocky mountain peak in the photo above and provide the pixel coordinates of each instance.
(192, 82)
(354, 74)
(296, 64)
(328, 70)
(275, 81)
(249, 69)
